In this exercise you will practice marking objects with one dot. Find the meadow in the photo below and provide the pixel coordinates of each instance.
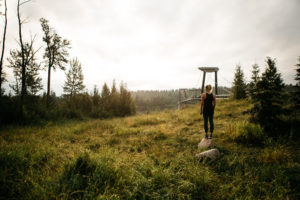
(148, 156)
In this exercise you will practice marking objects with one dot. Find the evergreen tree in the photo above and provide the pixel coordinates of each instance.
(254, 79)
(297, 78)
(255, 73)
(296, 96)
(114, 99)
(33, 82)
(105, 97)
(239, 86)
(74, 83)
(268, 99)
(127, 105)
(96, 96)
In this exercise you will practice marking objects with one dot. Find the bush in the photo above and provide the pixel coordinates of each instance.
(9, 110)
(249, 134)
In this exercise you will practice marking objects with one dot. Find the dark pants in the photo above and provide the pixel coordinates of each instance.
(210, 117)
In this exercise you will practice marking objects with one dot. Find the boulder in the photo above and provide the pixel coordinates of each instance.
(206, 144)
(212, 154)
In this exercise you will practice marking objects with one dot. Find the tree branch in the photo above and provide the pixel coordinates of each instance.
(24, 2)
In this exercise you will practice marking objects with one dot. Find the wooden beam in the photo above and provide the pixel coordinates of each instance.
(216, 82)
(203, 81)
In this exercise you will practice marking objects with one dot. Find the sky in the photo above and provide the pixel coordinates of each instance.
(159, 44)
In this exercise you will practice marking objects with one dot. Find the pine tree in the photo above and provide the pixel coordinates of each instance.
(105, 97)
(96, 96)
(297, 78)
(268, 99)
(255, 73)
(296, 96)
(254, 79)
(114, 99)
(74, 83)
(239, 86)
(127, 105)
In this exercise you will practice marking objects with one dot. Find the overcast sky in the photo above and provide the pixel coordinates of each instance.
(159, 44)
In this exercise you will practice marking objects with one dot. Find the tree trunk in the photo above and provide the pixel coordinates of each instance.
(3, 46)
(23, 90)
(48, 87)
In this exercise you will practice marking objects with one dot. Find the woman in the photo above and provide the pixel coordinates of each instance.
(208, 104)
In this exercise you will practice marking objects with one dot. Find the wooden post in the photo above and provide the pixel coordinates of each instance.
(216, 82)
(179, 98)
(203, 81)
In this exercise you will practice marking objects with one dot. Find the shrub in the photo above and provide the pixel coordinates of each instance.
(249, 134)
(9, 110)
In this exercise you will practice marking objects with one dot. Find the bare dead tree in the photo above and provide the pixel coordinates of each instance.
(23, 62)
(3, 47)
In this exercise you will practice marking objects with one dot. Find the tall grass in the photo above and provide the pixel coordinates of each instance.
(147, 157)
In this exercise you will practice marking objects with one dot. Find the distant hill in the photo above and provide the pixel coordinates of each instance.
(149, 100)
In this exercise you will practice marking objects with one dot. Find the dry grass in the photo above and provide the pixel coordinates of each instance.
(151, 157)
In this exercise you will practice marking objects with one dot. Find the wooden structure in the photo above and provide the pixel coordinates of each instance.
(209, 70)
(192, 96)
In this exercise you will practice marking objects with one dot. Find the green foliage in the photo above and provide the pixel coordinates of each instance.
(297, 77)
(155, 100)
(81, 104)
(87, 178)
(74, 83)
(33, 83)
(268, 100)
(126, 106)
(247, 176)
(117, 103)
(13, 169)
(254, 79)
(105, 97)
(9, 110)
(296, 94)
(56, 48)
(56, 51)
(249, 134)
(239, 86)
(113, 102)
(149, 156)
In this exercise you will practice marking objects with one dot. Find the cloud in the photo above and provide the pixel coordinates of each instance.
(160, 44)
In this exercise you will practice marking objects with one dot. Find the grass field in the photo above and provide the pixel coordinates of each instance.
(147, 156)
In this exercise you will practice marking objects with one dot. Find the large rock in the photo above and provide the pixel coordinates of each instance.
(206, 144)
(212, 154)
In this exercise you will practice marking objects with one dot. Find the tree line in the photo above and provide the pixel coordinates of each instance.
(275, 105)
(25, 105)
(148, 100)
